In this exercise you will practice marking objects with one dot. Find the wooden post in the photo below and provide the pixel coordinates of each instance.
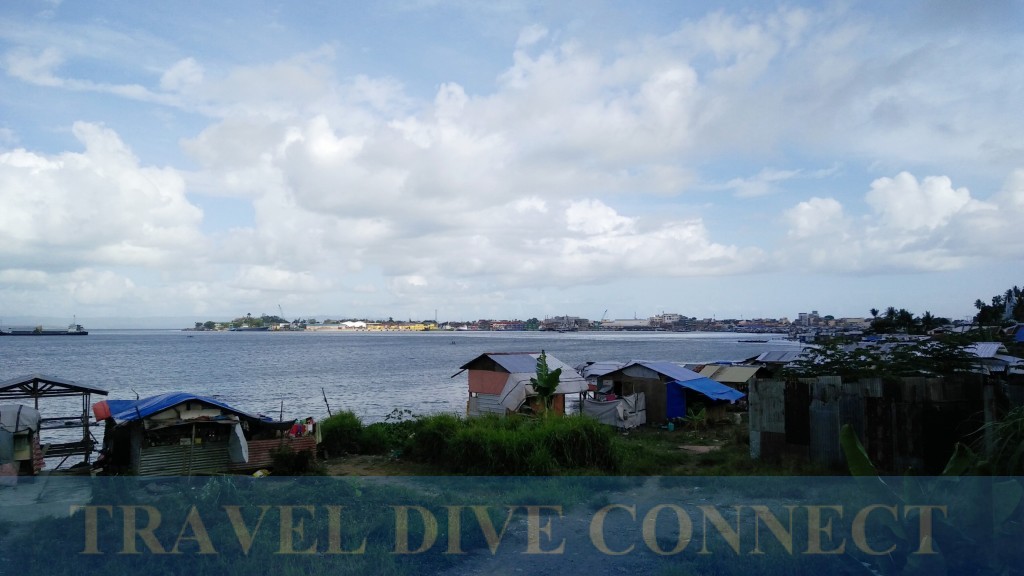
(989, 407)
(322, 391)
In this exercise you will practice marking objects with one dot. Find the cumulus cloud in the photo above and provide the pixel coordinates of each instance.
(916, 225)
(904, 203)
(99, 287)
(578, 162)
(97, 207)
(816, 218)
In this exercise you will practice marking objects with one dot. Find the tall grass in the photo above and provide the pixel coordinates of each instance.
(341, 433)
(515, 445)
(488, 445)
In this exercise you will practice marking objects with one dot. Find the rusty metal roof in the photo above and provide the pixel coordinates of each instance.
(41, 386)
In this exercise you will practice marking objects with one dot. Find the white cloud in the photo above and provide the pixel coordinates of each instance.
(99, 207)
(906, 204)
(34, 68)
(183, 76)
(374, 185)
(926, 225)
(590, 217)
(269, 278)
(531, 35)
(815, 218)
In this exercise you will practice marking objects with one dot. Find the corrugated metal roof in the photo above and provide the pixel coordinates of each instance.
(671, 369)
(732, 374)
(511, 361)
(34, 385)
(985, 349)
(518, 362)
(598, 369)
(1010, 360)
(780, 356)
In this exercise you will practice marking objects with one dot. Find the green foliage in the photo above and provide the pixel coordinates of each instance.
(430, 436)
(1008, 306)
(921, 358)
(546, 382)
(515, 445)
(341, 433)
(985, 510)
(1007, 435)
(856, 457)
(697, 417)
(903, 321)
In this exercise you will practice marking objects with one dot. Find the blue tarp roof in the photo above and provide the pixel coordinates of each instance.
(129, 410)
(711, 389)
(689, 379)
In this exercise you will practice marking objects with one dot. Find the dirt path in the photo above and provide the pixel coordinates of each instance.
(571, 534)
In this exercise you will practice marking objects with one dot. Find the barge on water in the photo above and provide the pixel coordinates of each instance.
(73, 329)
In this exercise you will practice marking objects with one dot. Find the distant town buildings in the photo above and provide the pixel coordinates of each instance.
(806, 323)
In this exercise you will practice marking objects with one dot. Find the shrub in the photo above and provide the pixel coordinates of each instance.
(429, 437)
(341, 433)
(516, 445)
(386, 437)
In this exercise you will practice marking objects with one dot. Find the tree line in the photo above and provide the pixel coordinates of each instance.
(1005, 309)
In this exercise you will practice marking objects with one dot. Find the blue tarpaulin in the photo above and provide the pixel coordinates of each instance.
(683, 379)
(675, 394)
(129, 410)
(710, 388)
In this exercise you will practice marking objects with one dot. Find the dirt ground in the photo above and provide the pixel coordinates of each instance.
(366, 465)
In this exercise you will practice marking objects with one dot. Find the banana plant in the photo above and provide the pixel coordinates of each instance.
(979, 533)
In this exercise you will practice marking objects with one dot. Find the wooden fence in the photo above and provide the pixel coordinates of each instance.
(905, 424)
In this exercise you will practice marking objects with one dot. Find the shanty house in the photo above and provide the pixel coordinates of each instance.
(19, 430)
(604, 405)
(738, 377)
(499, 382)
(182, 434)
(994, 358)
(670, 389)
(63, 395)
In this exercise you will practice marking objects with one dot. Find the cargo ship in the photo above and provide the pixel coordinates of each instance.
(73, 329)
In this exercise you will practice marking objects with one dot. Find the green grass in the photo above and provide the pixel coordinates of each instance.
(553, 445)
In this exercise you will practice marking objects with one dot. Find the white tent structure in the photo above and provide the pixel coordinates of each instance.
(625, 412)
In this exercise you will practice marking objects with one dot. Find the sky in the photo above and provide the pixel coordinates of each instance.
(184, 161)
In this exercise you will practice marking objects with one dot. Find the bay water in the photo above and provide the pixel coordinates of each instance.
(288, 374)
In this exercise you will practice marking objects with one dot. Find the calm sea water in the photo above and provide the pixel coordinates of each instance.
(368, 373)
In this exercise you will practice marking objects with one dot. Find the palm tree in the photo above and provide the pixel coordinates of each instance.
(874, 313)
(927, 321)
(905, 319)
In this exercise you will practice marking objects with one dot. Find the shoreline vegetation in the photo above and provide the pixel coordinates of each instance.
(525, 445)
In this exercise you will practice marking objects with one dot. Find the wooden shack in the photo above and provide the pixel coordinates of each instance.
(499, 382)
(670, 390)
(182, 434)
